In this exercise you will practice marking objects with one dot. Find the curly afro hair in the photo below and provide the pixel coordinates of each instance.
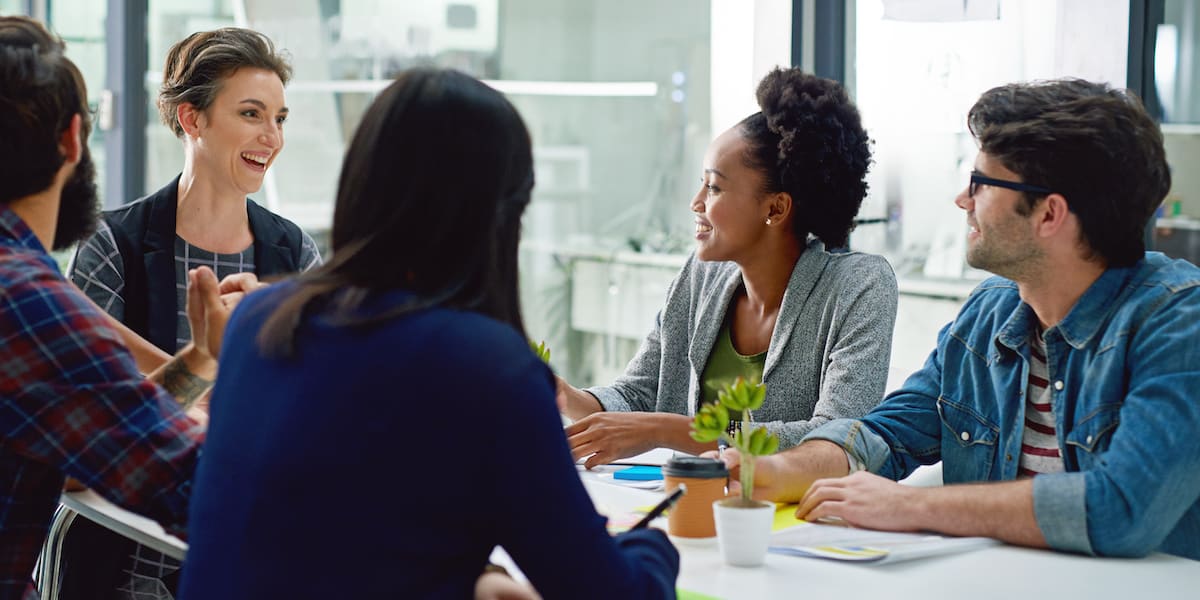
(809, 142)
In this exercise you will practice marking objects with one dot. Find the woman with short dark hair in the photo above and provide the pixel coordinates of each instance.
(222, 95)
(331, 469)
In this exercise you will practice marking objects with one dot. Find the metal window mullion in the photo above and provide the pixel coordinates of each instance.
(125, 141)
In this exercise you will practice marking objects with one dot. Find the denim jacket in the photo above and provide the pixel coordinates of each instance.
(1125, 379)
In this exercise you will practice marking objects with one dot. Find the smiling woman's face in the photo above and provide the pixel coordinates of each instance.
(241, 132)
(730, 209)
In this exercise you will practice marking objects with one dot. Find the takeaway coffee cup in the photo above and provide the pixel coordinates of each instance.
(692, 516)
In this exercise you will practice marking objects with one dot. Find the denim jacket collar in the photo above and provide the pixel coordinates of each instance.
(1084, 320)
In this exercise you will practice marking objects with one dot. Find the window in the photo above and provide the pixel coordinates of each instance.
(1177, 90)
(621, 98)
(919, 67)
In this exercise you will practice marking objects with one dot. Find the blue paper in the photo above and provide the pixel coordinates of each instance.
(640, 473)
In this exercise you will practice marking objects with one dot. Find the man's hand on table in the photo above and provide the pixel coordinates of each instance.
(864, 500)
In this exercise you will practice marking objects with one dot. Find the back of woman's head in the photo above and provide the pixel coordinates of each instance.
(429, 201)
(809, 141)
(198, 64)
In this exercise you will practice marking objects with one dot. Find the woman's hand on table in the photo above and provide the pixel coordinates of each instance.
(574, 402)
(610, 436)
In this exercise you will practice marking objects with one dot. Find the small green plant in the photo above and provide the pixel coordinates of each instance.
(540, 350)
(712, 424)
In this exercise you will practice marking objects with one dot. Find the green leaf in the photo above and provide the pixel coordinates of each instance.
(710, 422)
(540, 350)
(772, 446)
(742, 395)
(762, 442)
(759, 394)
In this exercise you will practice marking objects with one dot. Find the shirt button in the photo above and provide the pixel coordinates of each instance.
(1008, 457)
(1058, 385)
(965, 436)
(1088, 440)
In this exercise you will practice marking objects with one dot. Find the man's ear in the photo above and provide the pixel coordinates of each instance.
(1054, 214)
(70, 143)
(188, 117)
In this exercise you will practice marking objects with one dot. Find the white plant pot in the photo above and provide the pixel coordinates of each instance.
(743, 532)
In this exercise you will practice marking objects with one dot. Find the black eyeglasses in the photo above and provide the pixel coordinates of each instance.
(977, 179)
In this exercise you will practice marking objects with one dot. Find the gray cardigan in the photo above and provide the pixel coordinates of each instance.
(827, 359)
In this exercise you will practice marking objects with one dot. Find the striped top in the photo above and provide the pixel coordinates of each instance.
(99, 271)
(1039, 446)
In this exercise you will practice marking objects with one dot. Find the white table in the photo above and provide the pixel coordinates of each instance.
(997, 572)
(94, 507)
(142, 530)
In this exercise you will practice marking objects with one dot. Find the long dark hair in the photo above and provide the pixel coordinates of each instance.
(429, 201)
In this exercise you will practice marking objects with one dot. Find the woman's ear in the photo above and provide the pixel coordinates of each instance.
(189, 117)
(779, 207)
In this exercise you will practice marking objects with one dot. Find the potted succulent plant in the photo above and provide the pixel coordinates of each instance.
(743, 524)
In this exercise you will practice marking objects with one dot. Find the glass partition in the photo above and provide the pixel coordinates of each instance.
(919, 68)
(1177, 83)
(621, 98)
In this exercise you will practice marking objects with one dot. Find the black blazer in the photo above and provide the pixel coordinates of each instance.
(145, 234)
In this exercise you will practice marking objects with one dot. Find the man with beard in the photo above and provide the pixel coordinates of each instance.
(1060, 399)
(72, 402)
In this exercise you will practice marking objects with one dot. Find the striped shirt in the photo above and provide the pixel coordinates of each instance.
(1039, 446)
(99, 271)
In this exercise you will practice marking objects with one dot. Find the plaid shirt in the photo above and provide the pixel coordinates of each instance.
(73, 403)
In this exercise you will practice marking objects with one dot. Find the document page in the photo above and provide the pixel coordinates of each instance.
(844, 543)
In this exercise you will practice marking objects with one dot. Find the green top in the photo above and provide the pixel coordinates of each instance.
(725, 365)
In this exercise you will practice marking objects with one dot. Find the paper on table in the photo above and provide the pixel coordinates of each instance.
(655, 458)
(864, 545)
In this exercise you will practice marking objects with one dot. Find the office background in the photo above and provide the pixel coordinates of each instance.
(622, 98)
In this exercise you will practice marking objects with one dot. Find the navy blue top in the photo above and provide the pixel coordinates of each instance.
(389, 462)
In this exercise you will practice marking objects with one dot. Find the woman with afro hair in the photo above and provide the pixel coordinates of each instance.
(770, 294)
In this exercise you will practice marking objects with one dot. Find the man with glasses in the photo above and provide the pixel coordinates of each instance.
(1060, 399)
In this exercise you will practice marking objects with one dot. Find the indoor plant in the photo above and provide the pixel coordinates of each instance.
(743, 524)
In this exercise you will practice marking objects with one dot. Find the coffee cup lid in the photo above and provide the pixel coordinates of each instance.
(695, 466)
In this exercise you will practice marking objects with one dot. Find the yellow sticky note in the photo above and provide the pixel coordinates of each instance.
(785, 516)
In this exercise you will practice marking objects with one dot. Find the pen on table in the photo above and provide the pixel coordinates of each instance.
(667, 502)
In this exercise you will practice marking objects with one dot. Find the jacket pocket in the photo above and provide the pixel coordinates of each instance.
(1092, 435)
(968, 442)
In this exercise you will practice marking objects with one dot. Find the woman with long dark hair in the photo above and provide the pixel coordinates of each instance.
(330, 467)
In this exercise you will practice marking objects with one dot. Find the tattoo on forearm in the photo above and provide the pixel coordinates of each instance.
(182, 383)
